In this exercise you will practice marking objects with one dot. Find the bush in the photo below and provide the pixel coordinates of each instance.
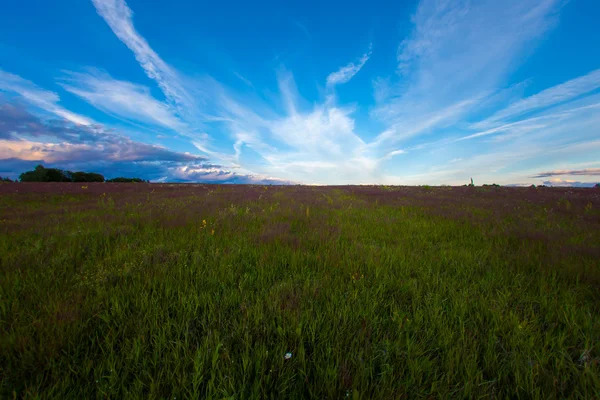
(5, 179)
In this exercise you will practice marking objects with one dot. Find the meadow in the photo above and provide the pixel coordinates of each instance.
(171, 291)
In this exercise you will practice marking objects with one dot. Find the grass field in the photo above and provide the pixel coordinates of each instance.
(199, 291)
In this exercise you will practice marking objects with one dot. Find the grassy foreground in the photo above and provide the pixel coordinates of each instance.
(172, 291)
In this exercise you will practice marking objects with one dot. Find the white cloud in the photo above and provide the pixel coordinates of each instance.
(119, 17)
(246, 81)
(219, 175)
(344, 74)
(458, 54)
(559, 118)
(328, 131)
(125, 99)
(303, 144)
(287, 90)
(520, 126)
(550, 97)
(299, 145)
(41, 98)
(413, 125)
(392, 154)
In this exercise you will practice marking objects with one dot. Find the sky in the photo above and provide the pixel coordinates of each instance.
(304, 92)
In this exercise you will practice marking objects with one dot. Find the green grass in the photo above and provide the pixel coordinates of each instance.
(102, 299)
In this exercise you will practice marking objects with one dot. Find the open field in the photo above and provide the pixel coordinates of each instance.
(199, 291)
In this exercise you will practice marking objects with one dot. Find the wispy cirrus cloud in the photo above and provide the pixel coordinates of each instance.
(463, 39)
(550, 97)
(241, 78)
(556, 119)
(121, 98)
(347, 72)
(41, 98)
(457, 55)
(393, 153)
(119, 18)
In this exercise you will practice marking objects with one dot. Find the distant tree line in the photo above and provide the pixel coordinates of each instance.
(125, 180)
(42, 174)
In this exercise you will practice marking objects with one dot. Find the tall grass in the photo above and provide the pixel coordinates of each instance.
(202, 294)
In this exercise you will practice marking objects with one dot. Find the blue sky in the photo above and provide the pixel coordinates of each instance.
(417, 92)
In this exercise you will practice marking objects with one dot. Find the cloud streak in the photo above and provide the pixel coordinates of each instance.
(119, 18)
(346, 73)
(41, 98)
(558, 94)
(124, 99)
(457, 55)
(586, 172)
